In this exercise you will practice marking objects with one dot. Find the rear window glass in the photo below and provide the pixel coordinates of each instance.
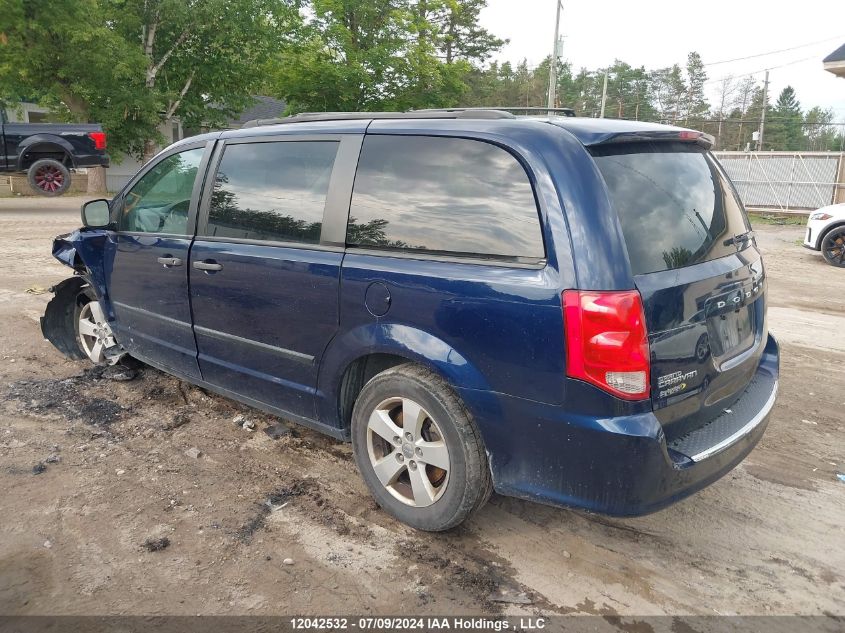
(443, 195)
(675, 206)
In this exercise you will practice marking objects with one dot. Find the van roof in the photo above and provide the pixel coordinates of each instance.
(588, 131)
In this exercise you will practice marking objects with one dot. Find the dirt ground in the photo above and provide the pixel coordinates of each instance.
(92, 469)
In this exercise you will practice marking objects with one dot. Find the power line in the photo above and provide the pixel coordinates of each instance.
(782, 50)
(762, 70)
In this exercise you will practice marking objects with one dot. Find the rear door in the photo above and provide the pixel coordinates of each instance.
(264, 273)
(699, 271)
(148, 280)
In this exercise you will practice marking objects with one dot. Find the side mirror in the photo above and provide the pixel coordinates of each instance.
(95, 214)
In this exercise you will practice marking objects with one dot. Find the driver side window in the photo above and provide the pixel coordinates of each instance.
(159, 202)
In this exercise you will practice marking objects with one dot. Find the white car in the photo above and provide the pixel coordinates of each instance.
(826, 233)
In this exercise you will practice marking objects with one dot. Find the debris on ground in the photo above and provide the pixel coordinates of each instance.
(119, 373)
(68, 398)
(288, 561)
(180, 418)
(275, 501)
(244, 423)
(193, 452)
(840, 477)
(48, 544)
(38, 468)
(275, 431)
(36, 290)
(156, 544)
(53, 459)
(120, 471)
(509, 595)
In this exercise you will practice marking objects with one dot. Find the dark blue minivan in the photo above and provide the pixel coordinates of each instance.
(562, 309)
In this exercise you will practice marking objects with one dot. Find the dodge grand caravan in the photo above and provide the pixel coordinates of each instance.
(561, 309)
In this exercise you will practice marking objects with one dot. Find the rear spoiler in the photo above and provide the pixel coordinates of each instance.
(639, 136)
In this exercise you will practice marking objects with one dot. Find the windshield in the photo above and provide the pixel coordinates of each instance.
(675, 205)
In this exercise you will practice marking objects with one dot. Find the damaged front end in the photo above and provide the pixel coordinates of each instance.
(79, 330)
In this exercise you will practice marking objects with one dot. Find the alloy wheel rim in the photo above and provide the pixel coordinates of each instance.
(95, 335)
(408, 452)
(834, 248)
(49, 178)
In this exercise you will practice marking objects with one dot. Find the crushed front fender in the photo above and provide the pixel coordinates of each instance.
(84, 251)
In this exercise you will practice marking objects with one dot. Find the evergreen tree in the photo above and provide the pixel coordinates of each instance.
(785, 122)
(696, 106)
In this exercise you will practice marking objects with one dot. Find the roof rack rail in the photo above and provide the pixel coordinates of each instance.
(510, 109)
(445, 113)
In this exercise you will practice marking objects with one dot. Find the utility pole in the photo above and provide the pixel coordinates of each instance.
(763, 113)
(553, 64)
(603, 95)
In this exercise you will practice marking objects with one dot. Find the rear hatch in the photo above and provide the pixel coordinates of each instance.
(698, 269)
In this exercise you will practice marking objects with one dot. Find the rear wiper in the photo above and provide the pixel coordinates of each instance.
(739, 238)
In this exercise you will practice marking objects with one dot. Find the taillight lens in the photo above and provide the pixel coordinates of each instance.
(607, 341)
(99, 139)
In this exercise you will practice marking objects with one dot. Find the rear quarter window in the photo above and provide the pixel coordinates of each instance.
(674, 203)
(443, 195)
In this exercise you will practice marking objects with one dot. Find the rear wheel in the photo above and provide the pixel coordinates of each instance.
(833, 246)
(49, 177)
(419, 450)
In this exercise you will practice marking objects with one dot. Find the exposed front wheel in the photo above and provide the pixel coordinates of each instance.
(418, 449)
(48, 177)
(93, 332)
(833, 246)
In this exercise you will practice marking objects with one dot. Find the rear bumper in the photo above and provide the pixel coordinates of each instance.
(91, 160)
(616, 466)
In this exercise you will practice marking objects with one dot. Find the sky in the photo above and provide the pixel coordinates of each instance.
(659, 33)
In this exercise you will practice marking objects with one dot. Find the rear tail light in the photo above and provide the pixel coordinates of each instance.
(607, 341)
(99, 139)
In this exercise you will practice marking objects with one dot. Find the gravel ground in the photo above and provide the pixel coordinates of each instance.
(146, 497)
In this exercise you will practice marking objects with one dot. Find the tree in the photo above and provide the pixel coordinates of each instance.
(63, 54)
(134, 66)
(459, 34)
(727, 89)
(194, 68)
(384, 54)
(744, 94)
(818, 131)
(695, 106)
(668, 90)
(784, 126)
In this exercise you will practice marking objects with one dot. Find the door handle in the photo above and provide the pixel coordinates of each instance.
(167, 262)
(208, 266)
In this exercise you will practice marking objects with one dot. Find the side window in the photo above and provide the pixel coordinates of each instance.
(272, 191)
(443, 195)
(159, 202)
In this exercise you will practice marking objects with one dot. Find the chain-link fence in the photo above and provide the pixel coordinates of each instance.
(786, 181)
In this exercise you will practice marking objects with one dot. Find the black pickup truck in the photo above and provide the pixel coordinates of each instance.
(48, 151)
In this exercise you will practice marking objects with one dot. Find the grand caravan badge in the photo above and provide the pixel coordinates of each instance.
(673, 383)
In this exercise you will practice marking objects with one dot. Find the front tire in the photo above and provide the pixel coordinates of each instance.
(93, 333)
(833, 246)
(418, 449)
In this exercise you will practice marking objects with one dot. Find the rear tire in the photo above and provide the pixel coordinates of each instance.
(48, 177)
(418, 449)
(833, 246)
